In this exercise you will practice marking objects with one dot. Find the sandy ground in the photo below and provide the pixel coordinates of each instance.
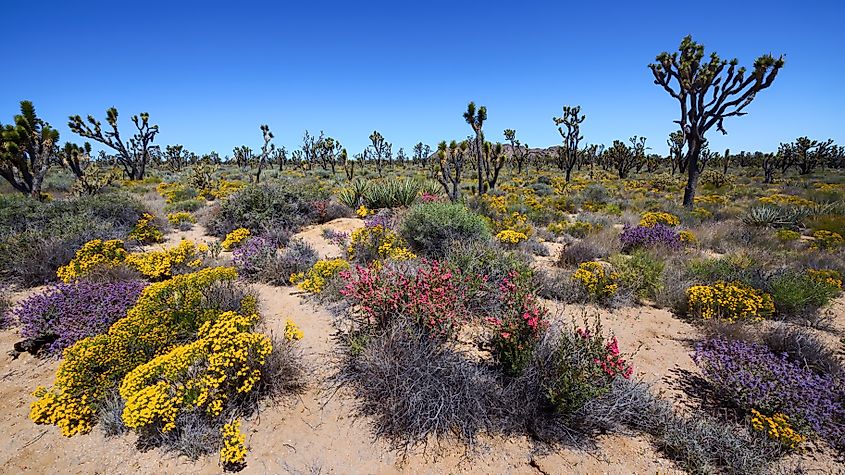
(316, 432)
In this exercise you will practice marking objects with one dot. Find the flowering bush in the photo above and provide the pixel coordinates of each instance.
(687, 237)
(316, 278)
(649, 236)
(145, 230)
(829, 277)
(292, 331)
(729, 301)
(251, 256)
(520, 322)
(511, 237)
(363, 212)
(166, 314)
(776, 427)
(91, 255)
(338, 238)
(750, 376)
(234, 238)
(651, 218)
(598, 281)
(160, 265)
(579, 366)
(431, 294)
(788, 235)
(377, 241)
(827, 240)
(233, 451)
(181, 217)
(66, 313)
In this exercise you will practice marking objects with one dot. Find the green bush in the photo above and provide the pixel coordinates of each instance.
(184, 205)
(640, 273)
(797, 293)
(430, 228)
(829, 222)
(262, 207)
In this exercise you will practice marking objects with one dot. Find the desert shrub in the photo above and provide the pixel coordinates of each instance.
(739, 267)
(253, 256)
(146, 231)
(518, 323)
(801, 293)
(260, 207)
(431, 294)
(392, 193)
(235, 238)
(66, 313)
(827, 240)
(640, 273)
(560, 286)
(184, 206)
(297, 257)
(730, 301)
(181, 219)
(258, 259)
(510, 238)
(36, 238)
(788, 235)
(599, 280)
(804, 349)
(96, 255)
(376, 241)
(166, 314)
(652, 218)
(638, 237)
(5, 307)
(430, 227)
(834, 223)
(316, 278)
(751, 376)
(536, 247)
(579, 251)
(416, 388)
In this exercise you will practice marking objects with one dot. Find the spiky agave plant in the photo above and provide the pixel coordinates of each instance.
(772, 217)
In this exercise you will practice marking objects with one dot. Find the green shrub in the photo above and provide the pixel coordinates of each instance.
(262, 207)
(829, 222)
(184, 205)
(640, 273)
(430, 227)
(797, 293)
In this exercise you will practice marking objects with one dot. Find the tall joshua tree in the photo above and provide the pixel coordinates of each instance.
(451, 159)
(380, 151)
(266, 149)
(708, 91)
(519, 152)
(571, 138)
(27, 149)
(676, 151)
(476, 121)
(133, 157)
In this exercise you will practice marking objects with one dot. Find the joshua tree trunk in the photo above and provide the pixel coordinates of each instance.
(693, 170)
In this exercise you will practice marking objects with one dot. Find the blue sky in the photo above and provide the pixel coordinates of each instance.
(209, 73)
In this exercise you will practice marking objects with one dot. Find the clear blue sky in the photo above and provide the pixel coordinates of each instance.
(210, 73)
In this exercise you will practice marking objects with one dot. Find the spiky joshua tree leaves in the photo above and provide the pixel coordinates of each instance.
(708, 91)
(133, 157)
(476, 119)
(27, 149)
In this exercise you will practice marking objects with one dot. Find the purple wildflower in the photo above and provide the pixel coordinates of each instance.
(649, 236)
(251, 256)
(71, 312)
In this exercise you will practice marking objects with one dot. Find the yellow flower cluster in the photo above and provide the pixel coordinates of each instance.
(826, 276)
(777, 428)
(226, 359)
(159, 265)
(651, 218)
(145, 230)
(234, 448)
(93, 254)
(788, 235)
(166, 312)
(292, 331)
(597, 279)
(234, 238)
(380, 241)
(169, 191)
(827, 240)
(711, 200)
(509, 236)
(181, 217)
(702, 213)
(222, 189)
(729, 301)
(687, 237)
(315, 279)
(785, 200)
(363, 212)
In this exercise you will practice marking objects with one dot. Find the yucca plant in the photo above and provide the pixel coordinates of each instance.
(772, 217)
(354, 195)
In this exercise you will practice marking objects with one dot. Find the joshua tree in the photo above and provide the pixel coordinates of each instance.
(421, 154)
(571, 138)
(806, 154)
(676, 151)
(176, 157)
(27, 149)
(280, 155)
(380, 151)
(519, 152)
(243, 156)
(132, 157)
(266, 149)
(494, 160)
(476, 121)
(708, 92)
(401, 158)
(91, 178)
(76, 158)
(327, 151)
(622, 157)
(639, 148)
(451, 159)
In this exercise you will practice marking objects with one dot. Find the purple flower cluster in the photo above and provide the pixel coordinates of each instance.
(650, 236)
(71, 312)
(752, 376)
(379, 220)
(252, 255)
(338, 238)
